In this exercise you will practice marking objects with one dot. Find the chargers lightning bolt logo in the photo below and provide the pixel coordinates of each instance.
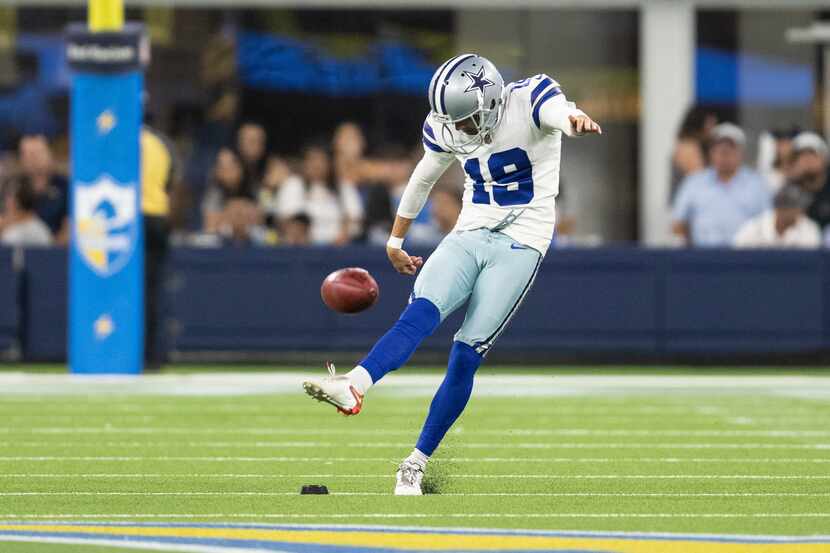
(105, 214)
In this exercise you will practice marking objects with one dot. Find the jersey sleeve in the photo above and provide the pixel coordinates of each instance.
(423, 178)
(546, 103)
(430, 136)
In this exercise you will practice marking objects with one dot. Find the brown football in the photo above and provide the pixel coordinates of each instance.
(350, 290)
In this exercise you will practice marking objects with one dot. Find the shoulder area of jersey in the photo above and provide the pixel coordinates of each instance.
(534, 86)
(532, 93)
(431, 136)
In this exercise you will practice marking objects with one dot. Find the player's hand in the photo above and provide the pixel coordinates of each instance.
(402, 262)
(582, 124)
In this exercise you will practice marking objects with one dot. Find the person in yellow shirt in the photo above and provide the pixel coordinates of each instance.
(158, 172)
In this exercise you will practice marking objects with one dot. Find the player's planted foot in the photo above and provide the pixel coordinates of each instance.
(335, 390)
(408, 478)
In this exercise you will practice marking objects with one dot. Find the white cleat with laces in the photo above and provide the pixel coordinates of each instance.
(335, 390)
(408, 479)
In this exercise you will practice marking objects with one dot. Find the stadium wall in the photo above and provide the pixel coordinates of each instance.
(598, 304)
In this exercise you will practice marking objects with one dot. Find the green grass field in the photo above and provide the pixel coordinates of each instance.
(719, 454)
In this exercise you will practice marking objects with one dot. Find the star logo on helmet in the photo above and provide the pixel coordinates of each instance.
(478, 81)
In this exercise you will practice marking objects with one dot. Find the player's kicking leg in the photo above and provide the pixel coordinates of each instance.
(499, 290)
(336, 390)
(444, 283)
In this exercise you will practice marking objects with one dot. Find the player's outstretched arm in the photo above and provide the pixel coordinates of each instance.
(558, 114)
(582, 124)
(402, 261)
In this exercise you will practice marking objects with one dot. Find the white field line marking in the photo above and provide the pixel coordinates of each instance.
(108, 429)
(242, 410)
(234, 383)
(734, 419)
(124, 544)
(448, 459)
(109, 409)
(471, 445)
(220, 459)
(655, 432)
(12, 517)
(471, 476)
(476, 494)
(151, 413)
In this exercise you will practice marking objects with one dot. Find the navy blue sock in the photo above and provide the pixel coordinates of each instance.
(419, 320)
(451, 397)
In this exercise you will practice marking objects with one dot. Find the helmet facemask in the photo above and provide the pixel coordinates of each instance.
(484, 118)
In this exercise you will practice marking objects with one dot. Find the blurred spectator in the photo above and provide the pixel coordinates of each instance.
(784, 226)
(228, 182)
(51, 190)
(348, 141)
(775, 150)
(251, 144)
(21, 225)
(215, 116)
(445, 208)
(241, 224)
(335, 208)
(158, 172)
(711, 205)
(379, 214)
(296, 230)
(689, 155)
(212, 134)
(348, 146)
(372, 177)
(389, 174)
(277, 174)
(809, 171)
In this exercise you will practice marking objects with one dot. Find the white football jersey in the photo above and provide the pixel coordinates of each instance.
(512, 182)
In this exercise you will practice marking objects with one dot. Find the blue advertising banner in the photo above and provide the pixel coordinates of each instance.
(106, 264)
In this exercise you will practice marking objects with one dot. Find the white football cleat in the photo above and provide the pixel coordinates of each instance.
(335, 390)
(408, 479)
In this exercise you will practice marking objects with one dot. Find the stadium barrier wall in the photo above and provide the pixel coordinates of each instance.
(10, 294)
(651, 303)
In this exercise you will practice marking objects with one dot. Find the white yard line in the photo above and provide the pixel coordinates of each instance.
(125, 544)
(110, 429)
(541, 460)
(470, 476)
(252, 516)
(787, 433)
(473, 494)
(278, 444)
(230, 384)
(463, 445)
(624, 412)
(150, 416)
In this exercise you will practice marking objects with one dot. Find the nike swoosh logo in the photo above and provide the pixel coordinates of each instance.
(517, 247)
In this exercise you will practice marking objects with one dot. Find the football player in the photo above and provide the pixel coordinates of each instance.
(508, 140)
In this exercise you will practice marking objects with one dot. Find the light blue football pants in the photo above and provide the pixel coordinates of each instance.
(487, 267)
(491, 271)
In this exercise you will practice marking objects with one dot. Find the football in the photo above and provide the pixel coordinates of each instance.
(349, 290)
